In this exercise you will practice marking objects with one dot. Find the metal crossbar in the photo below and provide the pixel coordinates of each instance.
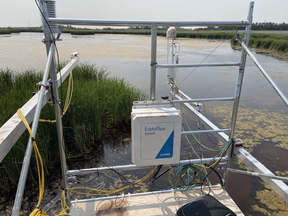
(203, 100)
(95, 22)
(228, 64)
(205, 131)
(133, 166)
(258, 174)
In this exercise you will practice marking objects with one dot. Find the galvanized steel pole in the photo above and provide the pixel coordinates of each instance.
(239, 88)
(93, 22)
(49, 40)
(153, 62)
(241, 72)
(277, 89)
(26, 161)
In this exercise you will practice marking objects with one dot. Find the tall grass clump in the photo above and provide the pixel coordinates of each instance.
(99, 102)
(16, 90)
(273, 42)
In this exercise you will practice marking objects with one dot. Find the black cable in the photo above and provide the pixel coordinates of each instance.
(205, 58)
(206, 176)
(50, 91)
(157, 177)
(209, 136)
(221, 180)
(53, 98)
(54, 42)
(122, 177)
(119, 205)
(58, 65)
(160, 188)
(162, 174)
(156, 173)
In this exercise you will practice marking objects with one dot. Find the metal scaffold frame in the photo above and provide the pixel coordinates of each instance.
(9, 138)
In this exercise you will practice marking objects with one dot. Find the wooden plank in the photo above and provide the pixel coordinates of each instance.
(154, 205)
(104, 207)
(11, 131)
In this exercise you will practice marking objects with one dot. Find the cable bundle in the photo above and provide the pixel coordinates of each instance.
(188, 176)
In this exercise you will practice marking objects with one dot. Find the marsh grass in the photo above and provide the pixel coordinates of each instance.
(99, 102)
(274, 42)
(10, 30)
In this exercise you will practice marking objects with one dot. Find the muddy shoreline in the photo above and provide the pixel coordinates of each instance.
(278, 55)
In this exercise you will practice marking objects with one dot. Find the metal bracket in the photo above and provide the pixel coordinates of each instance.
(236, 143)
(55, 39)
(153, 64)
(47, 86)
(239, 37)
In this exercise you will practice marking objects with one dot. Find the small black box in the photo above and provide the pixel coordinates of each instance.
(205, 206)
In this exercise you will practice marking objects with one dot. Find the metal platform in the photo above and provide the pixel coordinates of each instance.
(149, 203)
(153, 204)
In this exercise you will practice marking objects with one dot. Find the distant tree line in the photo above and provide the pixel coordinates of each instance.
(255, 26)
(147, 27)
(258, 26)
(270, 26)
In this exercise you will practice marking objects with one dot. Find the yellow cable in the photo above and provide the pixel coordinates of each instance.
(37, 211)
(109, 192)
(187, 136)
(64, 205)
(220, 156)
(67, 100)
(191, 144)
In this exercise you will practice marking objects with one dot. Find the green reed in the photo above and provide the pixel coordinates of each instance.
(99, 102)
(274, 42)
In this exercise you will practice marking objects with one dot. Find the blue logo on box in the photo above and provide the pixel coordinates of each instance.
(167, 149)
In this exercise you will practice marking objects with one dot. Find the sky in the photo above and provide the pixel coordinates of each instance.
(22, 13)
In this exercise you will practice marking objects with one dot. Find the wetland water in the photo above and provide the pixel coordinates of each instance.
(262, 120)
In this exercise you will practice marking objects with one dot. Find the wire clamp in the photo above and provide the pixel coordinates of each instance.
(239, 37)
(40, 84)
(153, 64)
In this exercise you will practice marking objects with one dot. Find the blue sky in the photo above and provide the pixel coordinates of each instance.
(24, 12)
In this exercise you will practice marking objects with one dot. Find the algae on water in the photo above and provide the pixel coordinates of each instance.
(270, 203)
(255, 125)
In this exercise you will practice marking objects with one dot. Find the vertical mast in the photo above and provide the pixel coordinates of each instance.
(48, 10)
(239, 87)
(153, 62)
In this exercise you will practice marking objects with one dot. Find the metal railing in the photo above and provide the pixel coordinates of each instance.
(225, 64)
(266, 75)
(95, 22)
(255, 165)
